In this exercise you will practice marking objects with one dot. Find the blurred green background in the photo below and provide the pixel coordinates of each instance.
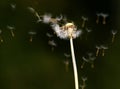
(32, 65)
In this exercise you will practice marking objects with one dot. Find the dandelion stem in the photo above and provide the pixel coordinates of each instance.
(74, 64)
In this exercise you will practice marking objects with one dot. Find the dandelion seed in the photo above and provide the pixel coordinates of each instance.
(1, 40)
(52, 44)
(88, 31)
(69, 31)
(114, 32)
(11, 28)
(13, 6)
(32, 10)
(103, 49)
(84, 79)
(104, 17)
(84, 60)
(66, 55)
(31, 33)
(47, 18)
(82, 86)
(49, 35)
(98, 16)
(92, 59)
(66, 62)
(98, 50)
(84, 20)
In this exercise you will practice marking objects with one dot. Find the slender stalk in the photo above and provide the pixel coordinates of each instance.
(74, 64)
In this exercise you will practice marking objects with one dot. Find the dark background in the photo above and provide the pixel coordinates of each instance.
(26, 65)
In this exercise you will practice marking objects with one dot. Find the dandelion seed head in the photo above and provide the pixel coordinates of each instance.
(13, 6)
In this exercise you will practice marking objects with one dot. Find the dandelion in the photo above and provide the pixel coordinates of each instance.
(11, 28)
(98, 16)
(104, 17)
(114, 32)
(52, 44)
(1, 40)
(84, 20)
(69, 31)
(98, 50)
(31, 33)
(103, 49)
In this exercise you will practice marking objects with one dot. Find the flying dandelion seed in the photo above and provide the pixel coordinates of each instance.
(46, 18)
(31, 33)
(92, 59)
(49, 35)
(52, 44)
(67, 55)
(84, 79)
(11, 28)
(103, 49)
(104, 17)
(98, 17)
(66, 62)
(88, 31)
(84, 61)
(98, 50)
(69, 31)
(82, 86)
(13, 6)
(32, 10)
(1, 40)
(84, 20)
(114, 32)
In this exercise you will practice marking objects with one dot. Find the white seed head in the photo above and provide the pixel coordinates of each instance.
(88, 30)
(13, 5)
(66, 31)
